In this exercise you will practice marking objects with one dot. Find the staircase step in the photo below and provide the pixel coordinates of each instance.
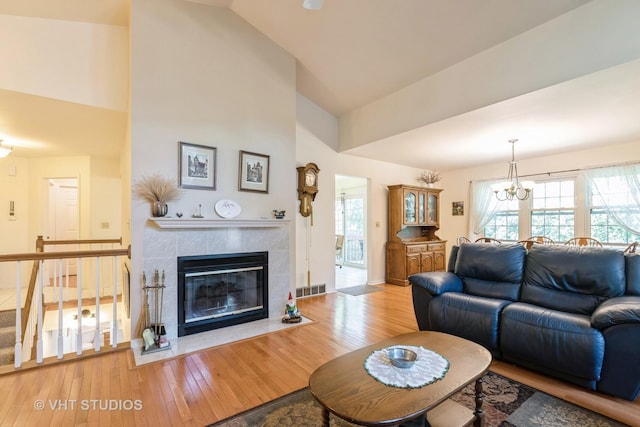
(7, 336)
(7, 356)
(7, 318)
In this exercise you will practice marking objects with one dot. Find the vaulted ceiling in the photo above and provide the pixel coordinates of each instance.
(356, 58)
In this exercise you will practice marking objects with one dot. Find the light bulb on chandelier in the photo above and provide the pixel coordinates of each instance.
(512, 188)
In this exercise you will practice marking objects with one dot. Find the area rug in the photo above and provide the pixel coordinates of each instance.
(506, 404)
(360, 290)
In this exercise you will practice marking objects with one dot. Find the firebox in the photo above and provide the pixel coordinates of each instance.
(215, 291)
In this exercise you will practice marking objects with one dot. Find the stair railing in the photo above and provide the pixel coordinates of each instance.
(29, 322)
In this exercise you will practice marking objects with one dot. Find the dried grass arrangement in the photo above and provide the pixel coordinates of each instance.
(429, 177)
(156, 188)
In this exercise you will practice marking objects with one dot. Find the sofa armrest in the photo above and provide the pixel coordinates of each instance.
(437, 282)
(616, 311)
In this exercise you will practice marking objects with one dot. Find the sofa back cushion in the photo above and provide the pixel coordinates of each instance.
(494, 271)
(573, 279)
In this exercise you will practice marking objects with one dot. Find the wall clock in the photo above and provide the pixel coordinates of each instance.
(307, 187)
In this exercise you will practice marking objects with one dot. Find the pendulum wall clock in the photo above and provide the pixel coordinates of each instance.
(307, 188)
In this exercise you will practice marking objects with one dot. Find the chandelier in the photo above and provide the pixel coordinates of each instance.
(512, 188)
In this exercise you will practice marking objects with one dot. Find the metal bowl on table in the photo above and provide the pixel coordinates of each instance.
(402, 357)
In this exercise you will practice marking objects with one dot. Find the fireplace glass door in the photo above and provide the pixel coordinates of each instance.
(220, 290)
(220, 293)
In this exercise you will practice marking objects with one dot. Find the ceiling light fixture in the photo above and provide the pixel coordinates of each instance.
(512, 188)
(312, 4)
(4, 151)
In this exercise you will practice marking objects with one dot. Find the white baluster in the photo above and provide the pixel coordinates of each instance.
(79, 331)
(60, 306)
(17, 354)
(66, 278)
(114, 318)
(96, 339)
(39, 342)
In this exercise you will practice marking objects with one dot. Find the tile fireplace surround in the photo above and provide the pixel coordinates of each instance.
(165, 239)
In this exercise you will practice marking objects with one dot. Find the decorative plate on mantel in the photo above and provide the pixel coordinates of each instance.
(227, 208)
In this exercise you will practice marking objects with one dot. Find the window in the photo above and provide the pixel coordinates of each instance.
(504, 225)
(602, 203)
(603, 223)
(350, 223)
(553, 209)
(339, 215)
(354, 230)
(606, 229)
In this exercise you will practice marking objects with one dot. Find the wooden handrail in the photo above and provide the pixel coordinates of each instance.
(40, 242)
(65, 254)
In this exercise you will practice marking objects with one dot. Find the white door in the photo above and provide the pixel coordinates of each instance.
(64, 219)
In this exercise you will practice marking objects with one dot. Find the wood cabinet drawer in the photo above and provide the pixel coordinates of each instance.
(436, 246)
(415, 249)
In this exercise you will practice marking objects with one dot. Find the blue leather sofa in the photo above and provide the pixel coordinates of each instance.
(569, 312)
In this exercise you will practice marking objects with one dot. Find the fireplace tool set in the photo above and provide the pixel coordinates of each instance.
(153, 333)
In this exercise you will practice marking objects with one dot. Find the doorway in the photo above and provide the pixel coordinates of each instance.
(63, 222)
(351, 231)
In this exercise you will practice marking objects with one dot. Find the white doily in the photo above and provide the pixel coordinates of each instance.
(428, 368)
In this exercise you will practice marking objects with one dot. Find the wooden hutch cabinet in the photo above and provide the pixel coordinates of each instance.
(413, 246)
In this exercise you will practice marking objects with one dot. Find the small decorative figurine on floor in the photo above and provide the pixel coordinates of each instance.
(291, 312)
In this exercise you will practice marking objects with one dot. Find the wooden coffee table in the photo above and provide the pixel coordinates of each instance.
(344, 388)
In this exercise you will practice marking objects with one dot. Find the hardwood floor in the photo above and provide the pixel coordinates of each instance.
(203, 387)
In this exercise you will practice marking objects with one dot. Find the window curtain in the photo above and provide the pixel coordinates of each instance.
(619, 189)
(484, 205)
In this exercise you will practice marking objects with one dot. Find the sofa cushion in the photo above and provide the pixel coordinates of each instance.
(437, 282)
(467, 316)
(572, 278)
(493, 271)
(554, 340)
(617, 311)
(490, 289)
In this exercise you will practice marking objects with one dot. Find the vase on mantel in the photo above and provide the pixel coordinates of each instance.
(159, 209)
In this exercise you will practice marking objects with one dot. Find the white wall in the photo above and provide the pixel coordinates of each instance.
(106, 210)
(314, 124)
(85, 63)
(14, 185)
(201, 74)
(315, 245)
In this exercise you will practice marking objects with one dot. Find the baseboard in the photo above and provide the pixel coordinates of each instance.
(311, 290)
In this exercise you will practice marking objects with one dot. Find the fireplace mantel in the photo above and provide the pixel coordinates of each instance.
(187, 223)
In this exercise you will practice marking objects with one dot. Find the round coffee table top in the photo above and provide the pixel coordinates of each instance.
(343, 387)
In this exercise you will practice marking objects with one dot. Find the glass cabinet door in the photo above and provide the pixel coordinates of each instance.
(432, 206)
(410, 207)
(422, 207)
